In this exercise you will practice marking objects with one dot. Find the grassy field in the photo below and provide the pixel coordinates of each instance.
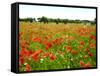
(56, 46)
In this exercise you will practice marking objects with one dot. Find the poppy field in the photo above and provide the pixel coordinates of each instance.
(50, 46)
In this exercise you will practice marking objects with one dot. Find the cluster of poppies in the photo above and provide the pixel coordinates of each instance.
(37, 48)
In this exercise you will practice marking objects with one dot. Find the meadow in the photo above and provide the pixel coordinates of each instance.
(51, 46)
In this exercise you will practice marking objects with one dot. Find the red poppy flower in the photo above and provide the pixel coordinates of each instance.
(90, 54)
(46, 54)
(37, 39)
(80, 47)
(23, 43)
(82, 43)
(86, 50)
(26, 53)
(87, 65)
(68, 48)
(57, 41)
(81, 63)
(21, 60)
(92, 45)
(35, 58)
(93, 37)
(52, 57)
(48, 45)
(23, 52)
(29, 53)
(35, 55)
(27, 67)
(74, 52)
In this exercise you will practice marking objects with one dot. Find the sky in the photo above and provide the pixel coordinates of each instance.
(35, 11)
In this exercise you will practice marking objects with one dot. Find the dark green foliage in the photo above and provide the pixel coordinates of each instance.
(43, 19)
(57, 20)
(28, 19)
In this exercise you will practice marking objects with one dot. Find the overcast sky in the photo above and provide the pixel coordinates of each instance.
(35, 11)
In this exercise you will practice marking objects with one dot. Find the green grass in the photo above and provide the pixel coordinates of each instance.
(67, 35)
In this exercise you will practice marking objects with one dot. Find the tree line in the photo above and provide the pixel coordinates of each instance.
(44, 19)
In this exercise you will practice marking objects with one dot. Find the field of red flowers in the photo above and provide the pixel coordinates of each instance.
(56, 46)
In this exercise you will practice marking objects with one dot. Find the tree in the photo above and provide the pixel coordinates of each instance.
(34, 20)
(43, 19)
(77, 21)
(64, 21)
(28, 19)
(56, 21)
(93, 22)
